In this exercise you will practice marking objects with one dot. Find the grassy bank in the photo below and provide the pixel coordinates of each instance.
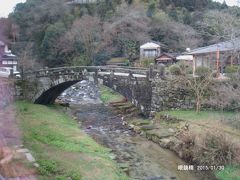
(230, 172)
(107, 95)
(212, 138)
(61, 149)
(203, 115)
(226, 121)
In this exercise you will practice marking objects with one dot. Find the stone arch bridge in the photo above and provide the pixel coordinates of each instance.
(45, 85)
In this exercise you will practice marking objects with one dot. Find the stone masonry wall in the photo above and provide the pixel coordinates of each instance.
(136, 90)
(172, 94)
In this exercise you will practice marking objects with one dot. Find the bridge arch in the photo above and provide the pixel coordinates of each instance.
(50, 95)
(44, 86)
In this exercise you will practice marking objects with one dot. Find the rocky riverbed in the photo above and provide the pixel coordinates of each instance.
(138, 157)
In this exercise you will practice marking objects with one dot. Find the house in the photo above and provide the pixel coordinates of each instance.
(216, 56)
(7, 59)
(150, 50)
(165, 58)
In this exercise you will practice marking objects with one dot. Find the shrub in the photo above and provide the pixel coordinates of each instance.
(202, 71)
(217, 149)
(212, 149)
(182, 65)
(101, 58)
(186, 68)
(231, 69)
(175, 69)
(146, 62)
(189, 70)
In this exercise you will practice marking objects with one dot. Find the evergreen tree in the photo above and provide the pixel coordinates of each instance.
(224, 5)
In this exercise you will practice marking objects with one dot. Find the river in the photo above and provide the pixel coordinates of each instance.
(140, 158)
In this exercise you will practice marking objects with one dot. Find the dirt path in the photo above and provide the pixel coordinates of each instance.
(13, 161)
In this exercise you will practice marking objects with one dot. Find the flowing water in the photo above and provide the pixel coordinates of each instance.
(140, 158)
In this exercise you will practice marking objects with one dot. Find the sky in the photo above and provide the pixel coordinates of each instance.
(229, 2)
(7, 6)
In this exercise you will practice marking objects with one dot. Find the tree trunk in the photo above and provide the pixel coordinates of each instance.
(198, 104)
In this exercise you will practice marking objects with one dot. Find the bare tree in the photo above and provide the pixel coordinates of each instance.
(87, 30)
(27, 62)
(222, 26)
(198, 84)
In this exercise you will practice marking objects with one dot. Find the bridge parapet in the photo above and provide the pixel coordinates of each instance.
(83, 69)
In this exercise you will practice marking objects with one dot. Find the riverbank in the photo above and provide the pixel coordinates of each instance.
(15, 160)
(107, 95)
(215, 137)
(209, 139)
(138, 157)
(204, 140)
(61, 149)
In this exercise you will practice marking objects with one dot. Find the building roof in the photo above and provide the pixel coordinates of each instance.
(185, 57)
(223, 46)
(172, 56)
(150, 45)
(8, 56)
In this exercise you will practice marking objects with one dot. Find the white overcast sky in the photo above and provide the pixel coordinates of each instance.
(7, 6)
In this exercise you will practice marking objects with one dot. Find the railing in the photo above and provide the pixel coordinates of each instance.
(149, 73)
(82, 69)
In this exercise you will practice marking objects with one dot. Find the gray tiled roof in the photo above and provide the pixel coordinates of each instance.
(223, 46)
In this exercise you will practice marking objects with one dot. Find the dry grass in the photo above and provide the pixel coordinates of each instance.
(210, 139)
(216, 149)
(213, 148)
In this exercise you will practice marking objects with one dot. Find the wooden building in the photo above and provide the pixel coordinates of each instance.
(165, 58)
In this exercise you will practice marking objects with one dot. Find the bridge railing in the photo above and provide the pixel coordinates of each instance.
(81, 69)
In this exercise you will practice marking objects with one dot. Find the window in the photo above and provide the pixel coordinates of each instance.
(150, 52)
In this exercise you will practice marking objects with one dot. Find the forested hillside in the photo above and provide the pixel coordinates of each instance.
(52, 33)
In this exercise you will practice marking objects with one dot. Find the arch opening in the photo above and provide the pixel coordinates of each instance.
(49, 96)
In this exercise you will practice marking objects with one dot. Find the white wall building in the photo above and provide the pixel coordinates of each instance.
(150, 50)
(7, 59)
